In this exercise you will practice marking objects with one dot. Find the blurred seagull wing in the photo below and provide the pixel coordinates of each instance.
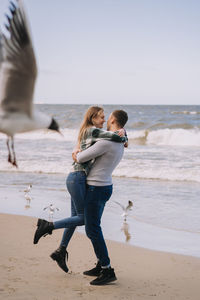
(18, 68)
(1, 49)
(120, 205)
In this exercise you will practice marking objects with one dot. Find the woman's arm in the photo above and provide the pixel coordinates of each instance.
(98, 134)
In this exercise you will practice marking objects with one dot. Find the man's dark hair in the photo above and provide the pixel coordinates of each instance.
(121, 117)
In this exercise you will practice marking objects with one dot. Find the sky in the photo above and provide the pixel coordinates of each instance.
(115, 51)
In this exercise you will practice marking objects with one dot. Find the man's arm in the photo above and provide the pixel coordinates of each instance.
(92, 152)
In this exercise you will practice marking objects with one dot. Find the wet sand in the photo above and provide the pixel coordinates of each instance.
(153, 224)
(27, 272)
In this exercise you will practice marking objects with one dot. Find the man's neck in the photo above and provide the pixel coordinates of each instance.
(114, 128)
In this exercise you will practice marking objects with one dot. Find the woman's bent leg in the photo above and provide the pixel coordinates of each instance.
(68, 232)
(76, 185)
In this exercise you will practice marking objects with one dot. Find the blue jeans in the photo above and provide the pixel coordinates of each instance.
(76, 185)
(96, 198)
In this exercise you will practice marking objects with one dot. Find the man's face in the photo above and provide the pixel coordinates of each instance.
(99, 120)
(110, 118)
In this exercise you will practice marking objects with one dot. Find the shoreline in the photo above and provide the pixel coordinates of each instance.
(81, 231)
(27, 272)
(149, 227)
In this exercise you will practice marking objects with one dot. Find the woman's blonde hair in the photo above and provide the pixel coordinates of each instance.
(91, 113)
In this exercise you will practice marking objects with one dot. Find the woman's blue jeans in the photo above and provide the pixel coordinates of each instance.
(76, 185)
(96, 198)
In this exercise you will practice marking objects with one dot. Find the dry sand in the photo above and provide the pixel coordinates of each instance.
(27, 272)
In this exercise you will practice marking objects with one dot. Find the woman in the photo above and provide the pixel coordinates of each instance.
(90, 132)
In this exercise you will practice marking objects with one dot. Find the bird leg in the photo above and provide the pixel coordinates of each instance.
(14, 162)
(9, 152)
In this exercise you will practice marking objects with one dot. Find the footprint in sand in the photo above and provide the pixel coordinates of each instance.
(9, 268)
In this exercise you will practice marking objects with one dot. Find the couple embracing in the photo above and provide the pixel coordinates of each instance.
(96, 155)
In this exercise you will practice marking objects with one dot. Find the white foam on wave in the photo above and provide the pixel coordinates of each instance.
(68, 135)
(167, 154)
(171, 137)
(141, 169)
(44, 167)
(174, 137)
(185, 112)
(126, 169)
(136, 167)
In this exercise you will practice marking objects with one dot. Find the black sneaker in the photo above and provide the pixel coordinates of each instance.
(59, 256)
(95, 271)
(107, 275)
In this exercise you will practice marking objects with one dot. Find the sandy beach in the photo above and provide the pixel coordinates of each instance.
(27, 272)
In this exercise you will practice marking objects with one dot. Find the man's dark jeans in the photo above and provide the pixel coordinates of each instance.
(96, 198)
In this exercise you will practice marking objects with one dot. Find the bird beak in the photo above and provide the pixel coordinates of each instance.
(60, 133)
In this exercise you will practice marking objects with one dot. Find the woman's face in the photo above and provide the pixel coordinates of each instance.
(99, 120)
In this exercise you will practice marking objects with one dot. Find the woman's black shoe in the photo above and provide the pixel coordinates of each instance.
(59, 256)
(43, 229)
(95, 271)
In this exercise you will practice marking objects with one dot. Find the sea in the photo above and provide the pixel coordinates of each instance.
(159, 173)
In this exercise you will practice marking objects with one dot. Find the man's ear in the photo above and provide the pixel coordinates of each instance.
(112, 120)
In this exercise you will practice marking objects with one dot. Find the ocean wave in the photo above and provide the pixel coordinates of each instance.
(151, 171)
(125, 169)
(182, 126)
(161, 125)
(185, 112)
(137, 125)
(139, 163)
(68, 135)
(166, 137)
(174, 136)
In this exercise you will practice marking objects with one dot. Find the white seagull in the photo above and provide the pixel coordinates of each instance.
(51, 209)
(28, 201)
(28, 198)
(28, 189)
(18, 72)
(125, 229)
(126, 209)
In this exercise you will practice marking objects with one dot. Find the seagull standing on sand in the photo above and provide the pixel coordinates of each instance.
(27, 196)
(28, 189)
(126, 209)
(18, 72)
(28, 201)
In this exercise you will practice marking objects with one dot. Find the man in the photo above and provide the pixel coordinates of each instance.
(99, 190)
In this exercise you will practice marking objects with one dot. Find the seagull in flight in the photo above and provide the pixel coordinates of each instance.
(18, 73)
(126, 209)
(51, 209)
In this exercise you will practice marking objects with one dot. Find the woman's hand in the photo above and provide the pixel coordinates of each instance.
(121, 132)
(74, 154)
